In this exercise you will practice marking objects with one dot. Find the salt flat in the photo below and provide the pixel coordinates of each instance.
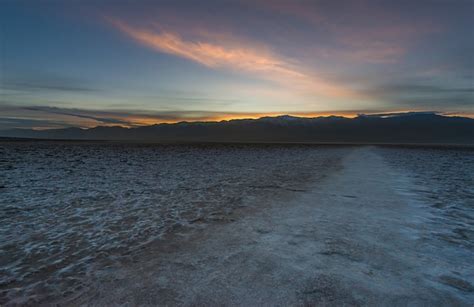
(355, 237)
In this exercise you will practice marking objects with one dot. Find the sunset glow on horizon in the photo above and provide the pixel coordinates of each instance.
(135, 63)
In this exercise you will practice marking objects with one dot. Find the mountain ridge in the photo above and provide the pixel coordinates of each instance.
(411, 127)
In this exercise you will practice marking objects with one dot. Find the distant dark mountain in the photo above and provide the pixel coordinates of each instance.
(393, 128)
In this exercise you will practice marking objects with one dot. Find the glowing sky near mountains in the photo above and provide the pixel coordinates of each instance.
(89, 63)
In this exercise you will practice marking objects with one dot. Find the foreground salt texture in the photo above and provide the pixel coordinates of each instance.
(356, 239)
(367, 229)
(73, 211)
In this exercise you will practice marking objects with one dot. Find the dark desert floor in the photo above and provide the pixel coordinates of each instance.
(367, 230)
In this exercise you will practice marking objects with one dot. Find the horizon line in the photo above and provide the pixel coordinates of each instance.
(257, 116)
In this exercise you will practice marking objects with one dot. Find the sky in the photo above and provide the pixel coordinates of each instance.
(131, 63)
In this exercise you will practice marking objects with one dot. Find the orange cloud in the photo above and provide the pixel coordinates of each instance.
(245, 58)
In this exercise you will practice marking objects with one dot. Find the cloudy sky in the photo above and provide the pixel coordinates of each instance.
(88, 63)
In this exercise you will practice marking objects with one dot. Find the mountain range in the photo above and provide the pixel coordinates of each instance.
(407, 128)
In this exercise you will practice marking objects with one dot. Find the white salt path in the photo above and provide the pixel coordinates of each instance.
(354, 239)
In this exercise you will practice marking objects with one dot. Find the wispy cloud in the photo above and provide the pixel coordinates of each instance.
(376, 52)
(360, 31)
(423, 95)
(82, 114)
(30, 123)
(238, 56)
(415, 88)
(35, 82)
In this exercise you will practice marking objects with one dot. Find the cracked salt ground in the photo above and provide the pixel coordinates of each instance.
(74, 211)
(314, 248)
(356, 230)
